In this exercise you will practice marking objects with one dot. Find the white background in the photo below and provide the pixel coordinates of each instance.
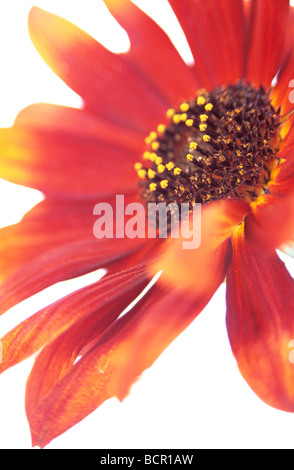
(193, 396)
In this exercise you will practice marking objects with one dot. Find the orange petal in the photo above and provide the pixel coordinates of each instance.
(260, 305)
(194, 267)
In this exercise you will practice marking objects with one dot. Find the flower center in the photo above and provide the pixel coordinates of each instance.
(221, 144)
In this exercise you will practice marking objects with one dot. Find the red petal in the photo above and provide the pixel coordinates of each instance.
(130, 346)
(215, 32)
(268, 24)
(154, 53)
(283, 92)
(260, 304)
(55, 242)
(98, 305)
(68, 152)
(109, 83)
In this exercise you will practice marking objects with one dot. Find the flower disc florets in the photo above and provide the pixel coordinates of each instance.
(220, 144)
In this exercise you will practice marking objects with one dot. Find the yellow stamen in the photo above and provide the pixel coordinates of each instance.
(155, 145)
(141, 174)
(177, 171)
(184, 107)
(208, 107)
(161, 128)
(201, 100)
(164, 184)
(152, 187)
(170, 166)
(158, 160)
(193, 145)
(206, 138)
(203, 117)
(202, 127)
(189, 122)
(160, 168)
(170, 113)
(138, 166)
(151, 173)
(189, 157)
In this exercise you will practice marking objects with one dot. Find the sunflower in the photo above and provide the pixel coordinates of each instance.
(155, 130)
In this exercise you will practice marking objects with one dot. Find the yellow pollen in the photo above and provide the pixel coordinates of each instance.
(138, 166)
(147, 140)
(164, 184)
(141, 174)
(170, 166)
(203, 117)
(177, 171)
(153, 135)
(151, 173)
(189, 157)
(201, 100)
(202, 127)
(158, 160)
(146, 155)
(206, 138)
(189, 122)
(155, 145)
(183, 117)
(152, 187)
(152, 156)
(160, 168)
(184, 107)
(161, 128)
(170, 113)
(208, 107)
(177, 118)
(193, 145)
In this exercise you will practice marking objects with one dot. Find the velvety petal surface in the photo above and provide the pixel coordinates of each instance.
(215, 32)
(260, 305)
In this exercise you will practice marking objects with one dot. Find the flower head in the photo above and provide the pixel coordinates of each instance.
(154, 130)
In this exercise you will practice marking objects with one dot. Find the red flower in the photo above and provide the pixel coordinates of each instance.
(225, 142)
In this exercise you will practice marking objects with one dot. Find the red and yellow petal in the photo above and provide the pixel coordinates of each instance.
(215, 32)
(67, 152)
(111, 366)
(91, 71)
(270, 222)
(267, 28)
(260, 305)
